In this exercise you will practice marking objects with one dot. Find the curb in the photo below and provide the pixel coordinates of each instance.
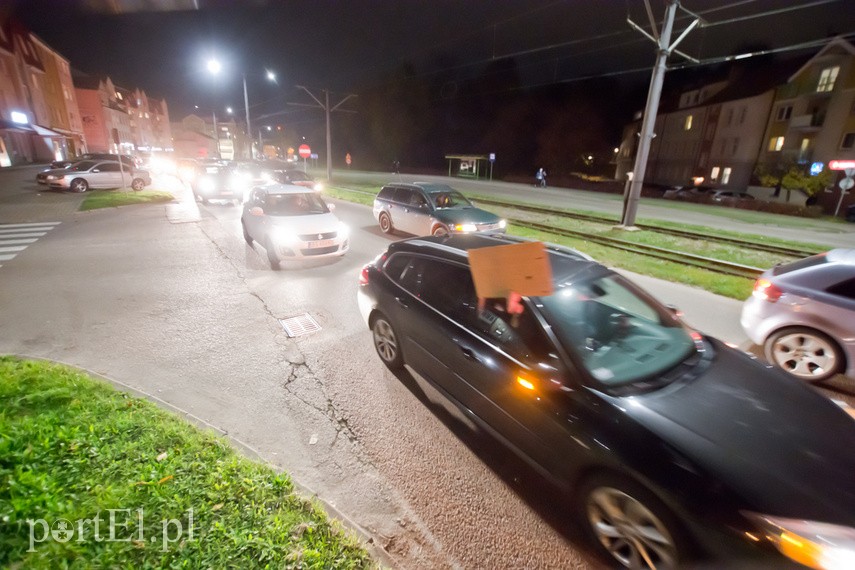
(368, 540)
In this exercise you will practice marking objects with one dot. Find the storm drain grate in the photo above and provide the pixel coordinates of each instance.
(300, 325)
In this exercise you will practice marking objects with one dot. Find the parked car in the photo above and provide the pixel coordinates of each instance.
(291, 222)
(803, 315)
(81, 176)
(425, 208)
(730, 196)
(664, 443)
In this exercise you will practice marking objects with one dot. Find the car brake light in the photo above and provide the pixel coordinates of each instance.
(766, 290)
(363, 275)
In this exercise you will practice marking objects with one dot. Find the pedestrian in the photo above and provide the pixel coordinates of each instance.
(538, 177)
(543, 177)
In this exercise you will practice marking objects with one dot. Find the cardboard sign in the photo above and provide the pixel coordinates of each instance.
(504, 269)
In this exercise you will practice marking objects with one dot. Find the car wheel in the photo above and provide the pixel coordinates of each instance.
(386, 343)
(629, 526)
(271, 255)
(440, 231)
(246, 235)
(386, 223)
(78, 185)
(804, 353)
(137, 184)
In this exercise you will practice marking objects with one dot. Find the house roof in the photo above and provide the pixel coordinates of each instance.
(836, 43)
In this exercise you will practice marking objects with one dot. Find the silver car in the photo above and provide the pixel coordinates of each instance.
(803, 315)
(86, 174)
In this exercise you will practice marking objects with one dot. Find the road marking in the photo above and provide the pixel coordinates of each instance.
(14, 238)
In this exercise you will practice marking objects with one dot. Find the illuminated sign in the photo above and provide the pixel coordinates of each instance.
(841, 164)
(815, 168)
(18, 117)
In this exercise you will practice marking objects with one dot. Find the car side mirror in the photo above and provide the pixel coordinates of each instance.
(256, 211)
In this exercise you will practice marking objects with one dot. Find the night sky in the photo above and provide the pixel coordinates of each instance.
(348, 45)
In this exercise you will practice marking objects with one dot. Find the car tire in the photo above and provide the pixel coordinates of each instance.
(275, 264)
(137, 184)
(386, 342)
(246, 236)
(628, 526)
(78, 185)
(804, 353)
(440, 231)
(386, 223)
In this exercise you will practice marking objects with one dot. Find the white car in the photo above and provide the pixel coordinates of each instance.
(292, 222)
(86, 174)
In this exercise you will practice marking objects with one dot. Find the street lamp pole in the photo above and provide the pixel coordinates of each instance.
(216, 134)
(248, 126)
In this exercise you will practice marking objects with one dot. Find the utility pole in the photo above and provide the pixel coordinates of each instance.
(653, 95)
(327, 109)
(248, 126)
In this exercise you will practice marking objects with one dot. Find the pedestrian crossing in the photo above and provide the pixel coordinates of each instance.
(15, 238)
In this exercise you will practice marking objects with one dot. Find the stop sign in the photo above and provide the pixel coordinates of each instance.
(305, 151)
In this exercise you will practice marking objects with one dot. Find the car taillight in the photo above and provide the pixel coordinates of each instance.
(766, 290)
(363, 275)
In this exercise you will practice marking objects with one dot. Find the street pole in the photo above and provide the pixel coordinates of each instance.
(216, 134)
(248, 126)
(326, 107)
(260, 143)
(653, 95)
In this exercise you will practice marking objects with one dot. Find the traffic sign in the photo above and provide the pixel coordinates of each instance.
(846, 184)
(305, 151)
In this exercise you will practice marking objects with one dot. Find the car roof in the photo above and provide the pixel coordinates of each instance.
(565, 261)
(285, 189)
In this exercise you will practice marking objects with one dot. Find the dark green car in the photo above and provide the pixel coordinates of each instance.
(425, 208)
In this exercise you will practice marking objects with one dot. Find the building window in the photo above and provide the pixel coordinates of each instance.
(723, 146)
(735, 147)
(827, 79)
(729, 117)
(725, 175)
(776, 144)
(742, 113)
(848, 141)
(784, 113)
(714, 173)
(688, 125)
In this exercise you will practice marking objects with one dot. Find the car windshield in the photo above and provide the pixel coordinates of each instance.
(618, 334)
(449, 199)
(303, 204)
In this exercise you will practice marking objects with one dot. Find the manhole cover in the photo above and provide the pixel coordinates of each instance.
(300, 325)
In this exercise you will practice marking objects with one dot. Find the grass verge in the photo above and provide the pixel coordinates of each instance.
(92, 477)
(111, 199)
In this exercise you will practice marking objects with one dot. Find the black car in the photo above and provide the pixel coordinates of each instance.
(666, 444)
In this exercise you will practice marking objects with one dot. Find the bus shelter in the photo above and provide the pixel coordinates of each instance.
(466, 165)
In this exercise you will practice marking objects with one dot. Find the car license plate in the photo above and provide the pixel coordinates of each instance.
(321, 243)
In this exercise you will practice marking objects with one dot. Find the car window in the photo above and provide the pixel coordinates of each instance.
(83, 166)
(417, 200)
(402, 195)
(845, 288)
(395, 266)
(451, 199)
(386, 193)
(110, 167)
(618, 334)
(303, 204)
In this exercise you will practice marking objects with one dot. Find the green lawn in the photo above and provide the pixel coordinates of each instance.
(75, 452)
(112, 198)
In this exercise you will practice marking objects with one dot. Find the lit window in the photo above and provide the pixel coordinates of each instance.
(827, 79)
(714, 173)
(725, 176)
(688, 125)
(776, 144)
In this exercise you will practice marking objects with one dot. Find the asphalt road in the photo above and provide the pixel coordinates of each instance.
(170, 301)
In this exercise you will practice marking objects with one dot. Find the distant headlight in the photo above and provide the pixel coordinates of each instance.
(343, 230)
(816, 545)
(206, 185)
(267, 177)
(284, 236)
(502, 224)
(318, 186)
(465, 228)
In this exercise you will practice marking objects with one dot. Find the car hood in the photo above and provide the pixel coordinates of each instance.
(313, 223)
(50, 171)
(780, 444)
(462, 215)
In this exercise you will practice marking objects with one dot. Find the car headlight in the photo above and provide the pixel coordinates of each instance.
(284, 236)
(343, 230)
(465, 228)
(814, 544)
(206, 185)
(318, 186)
(53, 177)
(267, 177)
(503, 224)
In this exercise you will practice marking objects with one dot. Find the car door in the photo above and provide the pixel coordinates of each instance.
(105, 175)
(401, 210)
